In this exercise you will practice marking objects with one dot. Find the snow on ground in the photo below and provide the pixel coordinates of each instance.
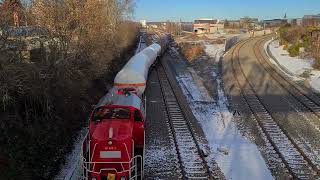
(282, 56)
(214, 50)
(71, 169)
(157, 163)
(293, 67)
(277, 64)
(315, 80)
(202, 96)
(237, 157)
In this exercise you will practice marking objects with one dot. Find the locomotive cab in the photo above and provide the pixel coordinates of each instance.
(114, 145)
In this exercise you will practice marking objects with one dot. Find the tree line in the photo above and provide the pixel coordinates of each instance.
(45, 102)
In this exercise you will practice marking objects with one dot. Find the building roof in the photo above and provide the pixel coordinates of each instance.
(205, 19)
(274, 20)
(202, 21)
(311, 16)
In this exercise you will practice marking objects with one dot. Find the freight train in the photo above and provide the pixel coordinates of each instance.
(114, 146)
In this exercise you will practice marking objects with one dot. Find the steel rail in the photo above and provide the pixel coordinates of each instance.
(287, 150)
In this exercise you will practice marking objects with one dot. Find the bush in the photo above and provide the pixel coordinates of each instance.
(294, 50)
(295, 37)
(285, 46)
(43, 107)
(191, 51)
(291, 34)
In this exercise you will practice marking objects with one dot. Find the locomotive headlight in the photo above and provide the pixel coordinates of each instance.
(123, 178)
(110, 142)
(93, 178)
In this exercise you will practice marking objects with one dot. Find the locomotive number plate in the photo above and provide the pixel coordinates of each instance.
(110, 154)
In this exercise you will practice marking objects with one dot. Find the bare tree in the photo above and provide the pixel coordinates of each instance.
(5, 19)
(85, 38)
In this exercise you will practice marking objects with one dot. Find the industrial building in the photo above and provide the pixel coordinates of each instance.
(311, 20)
(233, 24)
(274, 22)
(207, 26)
(248, 22)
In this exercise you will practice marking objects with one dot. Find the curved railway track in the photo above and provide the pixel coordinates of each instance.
(191, 158)
(309, 100)
(296, 161)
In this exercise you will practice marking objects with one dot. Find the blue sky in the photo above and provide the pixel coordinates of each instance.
(187, 10)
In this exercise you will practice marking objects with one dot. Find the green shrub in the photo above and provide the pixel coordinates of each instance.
(291, 34)
(294, 50)
(285, 46)
(306, 41)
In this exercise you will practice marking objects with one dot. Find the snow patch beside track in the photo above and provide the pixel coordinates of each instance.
(293, 67)
(71, 169)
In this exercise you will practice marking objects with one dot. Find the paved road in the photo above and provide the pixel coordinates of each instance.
(290, 114)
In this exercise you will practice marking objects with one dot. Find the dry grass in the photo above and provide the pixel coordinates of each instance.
(195, 37)
(316, 63)
(191, 51)
(217, 41)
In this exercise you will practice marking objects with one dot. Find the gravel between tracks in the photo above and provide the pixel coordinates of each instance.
(283, 107)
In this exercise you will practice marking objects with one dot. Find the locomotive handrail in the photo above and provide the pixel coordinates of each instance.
(105, 162)
(133, 167)
(132, 163)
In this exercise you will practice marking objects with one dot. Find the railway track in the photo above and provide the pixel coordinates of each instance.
(308, 100)
(296, 161)
(191, 157)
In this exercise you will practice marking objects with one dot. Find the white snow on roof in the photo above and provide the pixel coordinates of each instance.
(113, 98)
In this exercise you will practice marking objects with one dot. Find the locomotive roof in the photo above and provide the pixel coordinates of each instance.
(113, 98)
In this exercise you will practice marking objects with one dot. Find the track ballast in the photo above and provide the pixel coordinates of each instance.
(291, 155)
(191, 159)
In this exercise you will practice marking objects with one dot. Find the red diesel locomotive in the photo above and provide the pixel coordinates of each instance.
(114, 147)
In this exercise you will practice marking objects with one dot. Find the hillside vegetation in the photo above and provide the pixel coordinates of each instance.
(296, 38)
(45, 102)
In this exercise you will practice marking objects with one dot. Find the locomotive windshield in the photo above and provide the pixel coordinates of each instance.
(111, 113)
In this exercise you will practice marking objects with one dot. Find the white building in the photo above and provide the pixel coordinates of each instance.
(143, 23)
(208, 26)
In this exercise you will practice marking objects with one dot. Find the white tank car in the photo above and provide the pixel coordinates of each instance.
(135, 73)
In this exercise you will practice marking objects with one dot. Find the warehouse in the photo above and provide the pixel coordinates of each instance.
(201, 26)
